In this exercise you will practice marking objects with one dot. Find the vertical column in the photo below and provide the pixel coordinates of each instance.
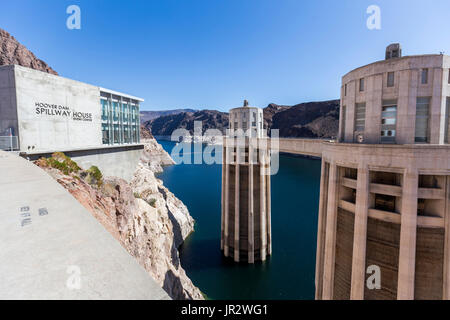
(250, 221)
(111, 119)
(138, 123)
(446, 279)
(268, 201)
(222, 200)
(330, 235)
(262, 203)
(408, 231)
(360, 234)
(320, 231)
(436, 108)
(226, 151)
(373, 108)
(121, 119)
(236, 209)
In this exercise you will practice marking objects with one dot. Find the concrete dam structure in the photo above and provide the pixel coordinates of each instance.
(53, 248)
(385, 186)
(246, 215)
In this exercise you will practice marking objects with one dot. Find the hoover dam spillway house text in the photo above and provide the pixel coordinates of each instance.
(64, 111)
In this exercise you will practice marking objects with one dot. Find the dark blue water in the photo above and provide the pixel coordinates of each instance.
(289, 272)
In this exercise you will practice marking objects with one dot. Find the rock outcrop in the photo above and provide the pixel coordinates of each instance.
(12, 52)
(147, 219)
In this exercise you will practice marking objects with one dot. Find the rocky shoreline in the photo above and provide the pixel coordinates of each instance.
(143, 215)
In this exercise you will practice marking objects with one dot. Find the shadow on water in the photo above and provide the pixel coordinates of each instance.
(289, 273)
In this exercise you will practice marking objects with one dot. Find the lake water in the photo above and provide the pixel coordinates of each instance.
(289, 272)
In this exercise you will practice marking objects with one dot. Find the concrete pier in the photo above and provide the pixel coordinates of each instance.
(246, 223)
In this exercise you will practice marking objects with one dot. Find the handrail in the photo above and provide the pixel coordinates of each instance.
(9, 143)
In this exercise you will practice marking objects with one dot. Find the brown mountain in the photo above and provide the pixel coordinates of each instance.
(150, 115)
(165, 125)
(12, 52)
(307, 120)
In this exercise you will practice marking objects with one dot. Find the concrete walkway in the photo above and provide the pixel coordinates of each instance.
(52, 248)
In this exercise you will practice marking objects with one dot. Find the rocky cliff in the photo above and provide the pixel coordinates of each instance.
(143, 215)
(12, 52)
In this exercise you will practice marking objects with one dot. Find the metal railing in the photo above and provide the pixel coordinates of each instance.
(9, 143)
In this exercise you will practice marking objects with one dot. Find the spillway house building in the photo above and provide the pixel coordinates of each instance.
(45, 113)
(385, 186)
(246, 209)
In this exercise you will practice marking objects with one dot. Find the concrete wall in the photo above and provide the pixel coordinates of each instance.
(409, 243)
(112, 161)
(307, 147)
(40, 131)
(246, 211)
(407, 87)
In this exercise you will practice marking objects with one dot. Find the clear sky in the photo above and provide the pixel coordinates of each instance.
(212, 54)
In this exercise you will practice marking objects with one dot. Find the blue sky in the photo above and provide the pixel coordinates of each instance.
(212, 54)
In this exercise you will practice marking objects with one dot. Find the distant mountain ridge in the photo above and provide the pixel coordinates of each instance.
(305, 120)
(12, 52)
(150, 115)
(165, 125)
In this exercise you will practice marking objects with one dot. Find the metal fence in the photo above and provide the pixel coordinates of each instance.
(9, 143)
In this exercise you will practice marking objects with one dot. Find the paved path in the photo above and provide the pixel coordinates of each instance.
(53, 248)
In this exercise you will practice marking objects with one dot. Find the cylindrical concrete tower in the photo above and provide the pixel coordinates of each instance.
(385, 186)
(246, 224)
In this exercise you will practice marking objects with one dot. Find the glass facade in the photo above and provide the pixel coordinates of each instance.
(120, 120)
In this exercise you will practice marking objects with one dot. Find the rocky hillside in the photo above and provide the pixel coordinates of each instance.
(145, 133)
(150, 115)
(143, 215)
(309, 120)
(211, 119)
(12, 52)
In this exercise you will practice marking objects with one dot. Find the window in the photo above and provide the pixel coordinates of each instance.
(345, 89)
(361, 84)
(448, 76)
(422, 111)
(360, 117)
(447, 122)
(390, 79)
(343, 123)
(424, 76)
(388, 121)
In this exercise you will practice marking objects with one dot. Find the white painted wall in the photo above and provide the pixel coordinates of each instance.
(55, 132)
